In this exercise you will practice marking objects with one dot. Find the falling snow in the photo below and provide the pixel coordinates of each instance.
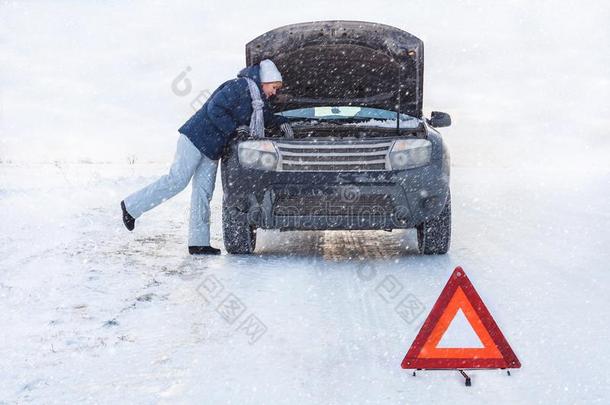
(94, 314)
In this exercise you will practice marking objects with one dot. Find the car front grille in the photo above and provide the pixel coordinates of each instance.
(332, 156)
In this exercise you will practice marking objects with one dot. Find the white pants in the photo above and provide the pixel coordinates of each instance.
(188, 163)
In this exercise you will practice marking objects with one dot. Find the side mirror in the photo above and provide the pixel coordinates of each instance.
(439, 119)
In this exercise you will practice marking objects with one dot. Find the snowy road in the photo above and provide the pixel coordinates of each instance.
(94, 314)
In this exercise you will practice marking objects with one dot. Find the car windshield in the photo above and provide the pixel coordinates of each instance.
(344, 113)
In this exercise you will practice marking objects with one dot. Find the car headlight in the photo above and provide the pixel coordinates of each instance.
(410, 153)
(258, 155)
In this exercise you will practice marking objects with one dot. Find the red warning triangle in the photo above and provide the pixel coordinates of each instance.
(459, 293)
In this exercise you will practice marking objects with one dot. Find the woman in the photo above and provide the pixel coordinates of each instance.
(202, 139)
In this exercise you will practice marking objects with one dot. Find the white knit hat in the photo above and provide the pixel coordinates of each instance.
(269, 72)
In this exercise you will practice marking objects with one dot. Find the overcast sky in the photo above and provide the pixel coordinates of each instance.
(92, 80)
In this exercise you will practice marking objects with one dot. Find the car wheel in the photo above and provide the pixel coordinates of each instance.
(239, 237)
(434, 235)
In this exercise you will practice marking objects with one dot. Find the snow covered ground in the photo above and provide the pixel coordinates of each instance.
(96, 314)
(92, 313)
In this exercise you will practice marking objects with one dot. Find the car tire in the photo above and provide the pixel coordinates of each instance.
(434, 235)
(239, 237)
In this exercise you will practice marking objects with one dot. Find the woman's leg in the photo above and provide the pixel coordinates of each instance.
(185, 163)
(204, 180)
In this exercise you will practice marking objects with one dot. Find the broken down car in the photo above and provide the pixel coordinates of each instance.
(363, 156)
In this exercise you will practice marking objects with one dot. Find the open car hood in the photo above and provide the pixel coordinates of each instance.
(333, 63)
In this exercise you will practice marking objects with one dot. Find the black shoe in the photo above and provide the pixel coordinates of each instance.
(128, 220)
(203, 250)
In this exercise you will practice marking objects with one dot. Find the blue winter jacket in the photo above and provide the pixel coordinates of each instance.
(230, 106)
